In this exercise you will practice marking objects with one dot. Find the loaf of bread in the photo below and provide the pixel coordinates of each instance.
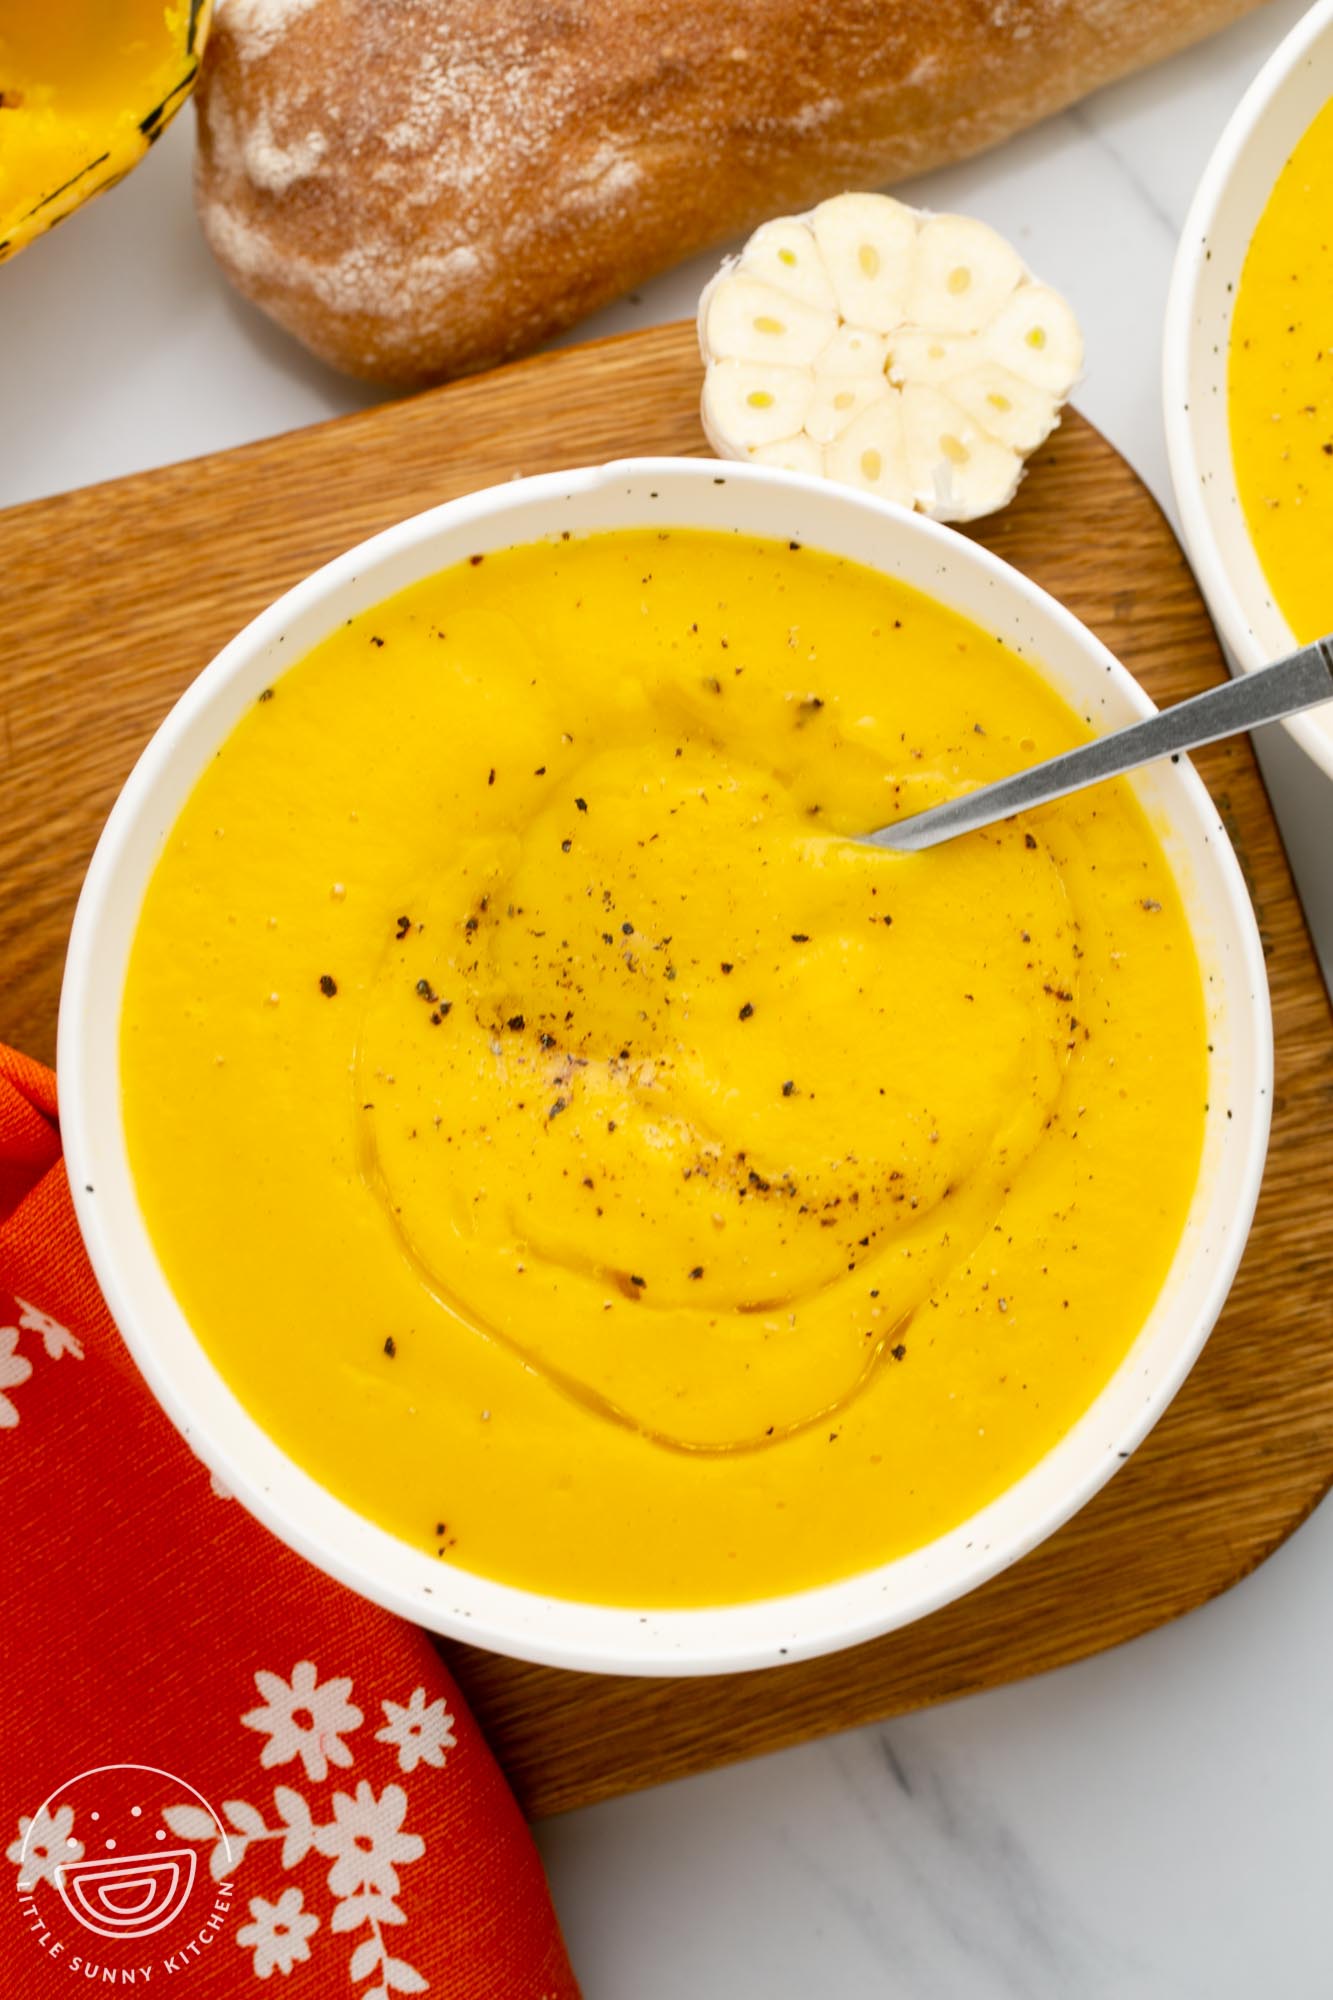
(419, 188)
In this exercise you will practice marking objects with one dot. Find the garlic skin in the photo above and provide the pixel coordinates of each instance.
(910, 355)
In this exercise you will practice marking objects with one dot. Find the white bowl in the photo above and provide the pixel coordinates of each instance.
(1295, 83)
(691, 493)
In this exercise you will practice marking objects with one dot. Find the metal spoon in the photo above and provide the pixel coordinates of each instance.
(1288, 686)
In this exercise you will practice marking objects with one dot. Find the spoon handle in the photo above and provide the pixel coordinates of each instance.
(1266, 695)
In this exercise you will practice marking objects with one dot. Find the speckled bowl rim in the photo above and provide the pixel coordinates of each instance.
(1232, 194)
(331, 1534)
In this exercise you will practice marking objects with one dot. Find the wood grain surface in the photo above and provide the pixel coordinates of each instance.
(117, 595)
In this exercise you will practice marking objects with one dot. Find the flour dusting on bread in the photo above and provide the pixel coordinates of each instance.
(418, 188)
(259, 25)
(276, 167)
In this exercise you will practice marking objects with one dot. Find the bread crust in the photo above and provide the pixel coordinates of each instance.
(417, 189)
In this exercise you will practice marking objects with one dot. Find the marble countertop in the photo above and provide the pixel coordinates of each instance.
(1152, 1823)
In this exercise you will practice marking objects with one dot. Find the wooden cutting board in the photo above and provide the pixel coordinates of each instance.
(118, 594)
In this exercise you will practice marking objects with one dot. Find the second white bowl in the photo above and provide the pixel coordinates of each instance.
(1294, 84)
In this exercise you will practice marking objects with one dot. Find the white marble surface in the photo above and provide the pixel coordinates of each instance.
(1151, 1824)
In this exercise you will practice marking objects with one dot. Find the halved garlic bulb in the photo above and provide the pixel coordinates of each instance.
(911, 355)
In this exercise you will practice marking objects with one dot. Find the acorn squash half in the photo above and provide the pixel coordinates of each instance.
(86, 86)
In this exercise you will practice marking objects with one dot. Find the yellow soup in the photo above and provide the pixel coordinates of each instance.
(1281, 385)
(588, 1161)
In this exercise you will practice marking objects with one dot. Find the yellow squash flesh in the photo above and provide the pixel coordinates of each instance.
(86, 86)
(585, 1159)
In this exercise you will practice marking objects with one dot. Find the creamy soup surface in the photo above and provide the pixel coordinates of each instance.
(586, 1160)
(1280, 365)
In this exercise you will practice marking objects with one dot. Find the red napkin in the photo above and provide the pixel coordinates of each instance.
(215, 1764)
